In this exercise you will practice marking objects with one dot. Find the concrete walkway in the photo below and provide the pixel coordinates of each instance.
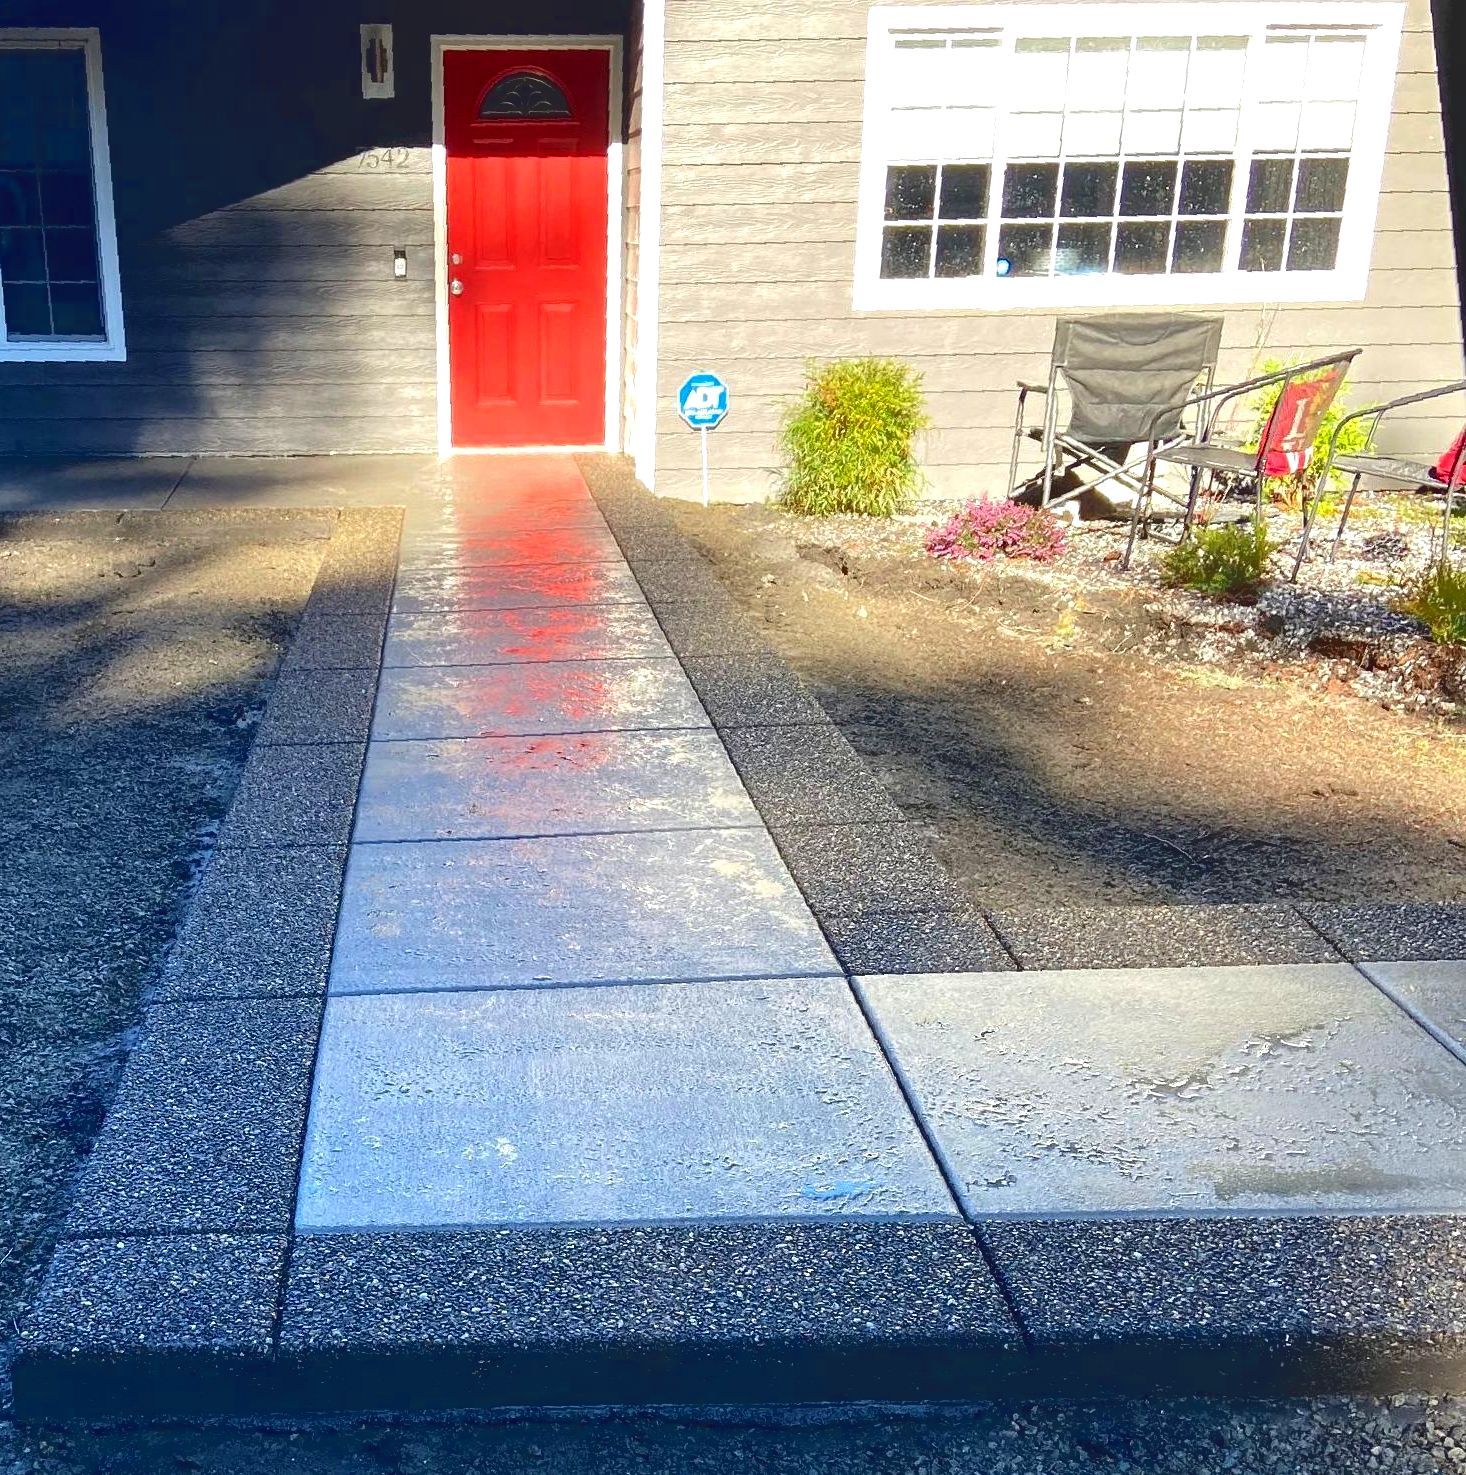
(568, 1016)
(573, 981)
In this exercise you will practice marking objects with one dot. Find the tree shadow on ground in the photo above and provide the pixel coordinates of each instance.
(133, 667)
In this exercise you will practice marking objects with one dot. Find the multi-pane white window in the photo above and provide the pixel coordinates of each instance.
(1034, 155)
(59, 293)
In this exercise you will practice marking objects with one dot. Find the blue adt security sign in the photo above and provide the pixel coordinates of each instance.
(703, 401)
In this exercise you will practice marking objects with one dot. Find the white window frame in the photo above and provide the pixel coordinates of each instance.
(112, 348)
(1345, 283)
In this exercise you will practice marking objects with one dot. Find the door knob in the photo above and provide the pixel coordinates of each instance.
(456, 287)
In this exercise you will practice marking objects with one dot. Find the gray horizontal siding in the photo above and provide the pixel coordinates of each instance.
(761, 159)
(307, 436)
(301, 368)
(259, 200)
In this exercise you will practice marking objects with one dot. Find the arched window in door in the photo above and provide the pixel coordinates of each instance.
(524, 95)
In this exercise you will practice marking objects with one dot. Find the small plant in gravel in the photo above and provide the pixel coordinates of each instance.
(988, 530)
(849, 441)
(1228, 560)
(1438, 600)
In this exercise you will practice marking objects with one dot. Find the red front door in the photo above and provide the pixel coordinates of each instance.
(527, 135)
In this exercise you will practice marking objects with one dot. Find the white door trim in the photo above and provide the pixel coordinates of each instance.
(649, 233)
(615, 183)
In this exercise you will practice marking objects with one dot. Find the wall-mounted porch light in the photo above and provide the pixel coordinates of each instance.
(378, 66)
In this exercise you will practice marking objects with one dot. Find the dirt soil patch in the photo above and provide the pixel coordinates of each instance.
(1073, 735)
(135, 656)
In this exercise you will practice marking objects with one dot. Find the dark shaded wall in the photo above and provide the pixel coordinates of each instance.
(259, 200)
(1450, 44)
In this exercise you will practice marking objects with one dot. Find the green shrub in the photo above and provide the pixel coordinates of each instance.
(1231, 559)
(1291, 491)
(848, 441)
(1438, 600)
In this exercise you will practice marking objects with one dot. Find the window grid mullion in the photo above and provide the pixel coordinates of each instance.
(1000, 162)
(1179, 228)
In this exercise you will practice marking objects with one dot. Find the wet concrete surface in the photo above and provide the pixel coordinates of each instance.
(569, 784)
(754, 1100)
(1283, 1088)
(684, 904)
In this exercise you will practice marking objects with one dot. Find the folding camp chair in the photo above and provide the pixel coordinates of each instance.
(1119, 369)
(1450, 470)
(1284, 448)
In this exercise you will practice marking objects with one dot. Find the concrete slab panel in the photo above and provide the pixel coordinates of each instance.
(580, 784)
(1159, 936)
(519, 586)
(215, 1292)
(808, 776)
(331, 642)
(301, 481)
(475, 484)
(752, 1100)
(67, 483)
(360, 566)
(581, 909)
(295, 796)
(1197, 1090)
(848, 870)
(206, 1128)
(152, 1327)
(753, 691)
(593, 544)
(1263, 1306)
(1392, 932)
(447, 525)
(774, 1284)
(711, 628)
(319, 707)
(260, 926)
(493, 637)
(958, 941)
(545, 697)
(1434, 992)
(688, 580)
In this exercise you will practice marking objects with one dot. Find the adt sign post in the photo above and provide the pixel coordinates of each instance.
(703, 404)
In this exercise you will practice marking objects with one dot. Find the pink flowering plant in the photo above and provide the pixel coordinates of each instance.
(986, 530)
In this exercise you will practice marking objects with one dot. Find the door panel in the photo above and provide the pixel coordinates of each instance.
(527, 134)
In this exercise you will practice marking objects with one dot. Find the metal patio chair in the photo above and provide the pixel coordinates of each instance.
(1284, 447)
(1399, 470)
(1118, 369)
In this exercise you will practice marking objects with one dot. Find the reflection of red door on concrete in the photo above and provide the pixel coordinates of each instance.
(527, 135)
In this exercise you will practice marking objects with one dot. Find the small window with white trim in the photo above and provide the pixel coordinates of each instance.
(59, 293)
(1118, 154)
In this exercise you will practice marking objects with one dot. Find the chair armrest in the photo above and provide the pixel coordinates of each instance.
(1381, 410)
(1378, 412)
(1219, 397)
(1028, 387)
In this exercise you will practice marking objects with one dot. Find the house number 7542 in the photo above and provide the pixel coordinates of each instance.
(374, 159)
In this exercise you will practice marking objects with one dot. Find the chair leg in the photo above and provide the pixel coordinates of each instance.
(1142, 503)
(1310, 510)
(1344, 516)
(1193, 496)
(1017, 442)
(1050, 426)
